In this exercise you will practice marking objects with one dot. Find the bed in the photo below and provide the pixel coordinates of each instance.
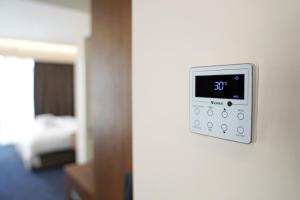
(50, 142)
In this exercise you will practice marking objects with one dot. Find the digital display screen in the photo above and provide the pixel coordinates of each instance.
(220, 86)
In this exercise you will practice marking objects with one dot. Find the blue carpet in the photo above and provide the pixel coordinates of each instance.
(17, 183)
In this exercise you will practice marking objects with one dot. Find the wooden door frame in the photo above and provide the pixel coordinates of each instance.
(111, 96)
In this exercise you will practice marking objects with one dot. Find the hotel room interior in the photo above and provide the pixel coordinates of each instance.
(149, 100)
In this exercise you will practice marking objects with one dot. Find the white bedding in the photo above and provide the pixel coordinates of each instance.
(48, 134)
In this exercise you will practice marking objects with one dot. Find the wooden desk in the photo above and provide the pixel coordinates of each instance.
(79, 183)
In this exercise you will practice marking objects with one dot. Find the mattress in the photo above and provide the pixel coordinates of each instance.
(49, 134)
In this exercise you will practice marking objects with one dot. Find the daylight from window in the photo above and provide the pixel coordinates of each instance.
(16, 98)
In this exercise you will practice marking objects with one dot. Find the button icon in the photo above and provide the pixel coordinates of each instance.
(210, 124)
(210, 112)
(240, 130)
(197, 110)
(197, 124)
(224, 114)
(224, 127)
(240, 116)
(229, 103)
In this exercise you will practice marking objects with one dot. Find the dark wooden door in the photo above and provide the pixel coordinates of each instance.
(110, 96)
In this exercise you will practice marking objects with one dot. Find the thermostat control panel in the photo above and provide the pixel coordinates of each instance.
(221, 101)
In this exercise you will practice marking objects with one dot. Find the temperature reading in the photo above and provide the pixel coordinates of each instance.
(219, 85)
(227, 86)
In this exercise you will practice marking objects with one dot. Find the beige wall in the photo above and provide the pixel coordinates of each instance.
(169, 36)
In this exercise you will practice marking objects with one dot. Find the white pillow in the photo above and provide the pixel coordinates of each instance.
(46, 120)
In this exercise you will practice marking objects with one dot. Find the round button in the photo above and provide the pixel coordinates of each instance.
(210, 112)
(224, 114)
(224, 127)
(196, 123)
(229, 103)
(240, 116)
(210, 124)
(240, 130)
(197, 111)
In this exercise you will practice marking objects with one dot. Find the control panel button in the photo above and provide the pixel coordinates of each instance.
(224, 114)
(210, 112)
(240, 116)
(197, 110)
(210, 124)
(229, 103)
(240, 130)
(224, 127)
(196, 123)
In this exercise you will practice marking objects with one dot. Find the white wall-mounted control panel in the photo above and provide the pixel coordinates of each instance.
(221, 101)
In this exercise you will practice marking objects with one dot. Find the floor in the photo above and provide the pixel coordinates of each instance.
(17, 183)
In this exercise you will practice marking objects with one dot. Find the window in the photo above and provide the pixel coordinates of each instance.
(16, 98)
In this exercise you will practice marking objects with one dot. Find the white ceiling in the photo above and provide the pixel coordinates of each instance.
(82, 5)
(44, 22)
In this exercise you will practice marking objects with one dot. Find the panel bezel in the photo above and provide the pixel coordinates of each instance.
(221, 70)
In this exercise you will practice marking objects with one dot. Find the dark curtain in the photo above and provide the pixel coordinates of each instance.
(54, 89)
